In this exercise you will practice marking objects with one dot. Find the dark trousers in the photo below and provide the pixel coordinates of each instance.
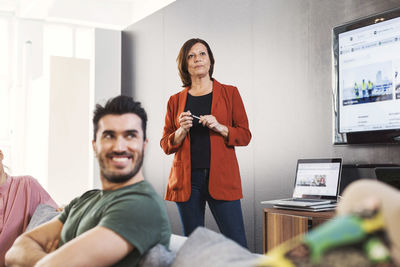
(227, 214)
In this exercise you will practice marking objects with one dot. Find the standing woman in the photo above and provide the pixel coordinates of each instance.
(203, 124)
(19, 197)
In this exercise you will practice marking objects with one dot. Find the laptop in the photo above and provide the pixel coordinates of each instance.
(322, 207)
(316, 183)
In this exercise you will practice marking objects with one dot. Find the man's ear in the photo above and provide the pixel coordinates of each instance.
(94, 148)
(145, 144)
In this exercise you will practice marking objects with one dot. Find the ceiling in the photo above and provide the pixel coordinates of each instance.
(108, 14)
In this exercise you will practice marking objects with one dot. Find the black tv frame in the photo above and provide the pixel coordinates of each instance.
(363, 137)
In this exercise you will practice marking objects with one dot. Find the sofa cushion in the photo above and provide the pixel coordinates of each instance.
(42, 214)
(176, 242)
(207, 248)
(157, 256)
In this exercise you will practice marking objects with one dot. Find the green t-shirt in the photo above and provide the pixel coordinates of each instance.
(135, 212)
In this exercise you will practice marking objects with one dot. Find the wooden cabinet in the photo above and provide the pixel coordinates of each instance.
(280, 225)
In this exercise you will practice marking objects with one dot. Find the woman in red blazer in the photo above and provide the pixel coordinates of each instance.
(203, 124)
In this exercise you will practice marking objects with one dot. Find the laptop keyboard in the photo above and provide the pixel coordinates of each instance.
(308, 200)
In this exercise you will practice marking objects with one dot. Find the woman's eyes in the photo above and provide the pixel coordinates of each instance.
(201, 54)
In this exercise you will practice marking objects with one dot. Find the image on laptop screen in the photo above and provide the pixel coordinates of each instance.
(319, 177)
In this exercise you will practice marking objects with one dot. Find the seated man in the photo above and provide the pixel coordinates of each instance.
(113, 226)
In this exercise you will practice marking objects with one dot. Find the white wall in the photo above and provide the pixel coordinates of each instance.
(32, 43)
(69, 161)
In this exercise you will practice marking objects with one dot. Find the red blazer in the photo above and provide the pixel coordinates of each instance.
(224, 182)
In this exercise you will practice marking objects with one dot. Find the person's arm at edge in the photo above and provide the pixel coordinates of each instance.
(42, 196)
(89, 249)
(32, 246)
(38, 248)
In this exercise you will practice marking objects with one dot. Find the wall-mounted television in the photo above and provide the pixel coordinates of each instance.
(366, 77)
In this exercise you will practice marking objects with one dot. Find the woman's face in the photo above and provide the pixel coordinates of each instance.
(198, 61)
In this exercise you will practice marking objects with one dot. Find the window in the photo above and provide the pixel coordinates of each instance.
(24, 87)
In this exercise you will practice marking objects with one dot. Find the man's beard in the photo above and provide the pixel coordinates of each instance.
(120, 178)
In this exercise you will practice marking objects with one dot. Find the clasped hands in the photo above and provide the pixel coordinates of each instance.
(186, 122)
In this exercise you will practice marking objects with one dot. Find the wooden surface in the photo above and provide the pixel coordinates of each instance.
(280, 225)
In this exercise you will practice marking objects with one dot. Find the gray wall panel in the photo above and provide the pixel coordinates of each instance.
(107, 81)
(148, 68)
(280, 49)
(278, 53)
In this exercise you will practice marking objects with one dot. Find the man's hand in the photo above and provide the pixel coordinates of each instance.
(31, 247)
(99, 246)
(24, 252)
(51, 246)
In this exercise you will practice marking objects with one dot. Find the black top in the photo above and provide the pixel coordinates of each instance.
(199, 135)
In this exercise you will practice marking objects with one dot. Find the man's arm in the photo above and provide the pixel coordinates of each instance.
(99, 246)
(30, 247)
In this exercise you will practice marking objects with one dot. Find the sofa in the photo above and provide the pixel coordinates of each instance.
(202, 248)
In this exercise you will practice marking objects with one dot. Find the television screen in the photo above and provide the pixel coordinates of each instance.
(367, 76)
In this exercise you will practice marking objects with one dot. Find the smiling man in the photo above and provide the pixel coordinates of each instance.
(114, 226)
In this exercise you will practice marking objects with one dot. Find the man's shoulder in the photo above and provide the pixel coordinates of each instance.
(140, 189)
(86, 196)
(90, 193)
(140, 196)
(144, 231)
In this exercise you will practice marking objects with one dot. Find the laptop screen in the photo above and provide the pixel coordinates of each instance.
(317, 178)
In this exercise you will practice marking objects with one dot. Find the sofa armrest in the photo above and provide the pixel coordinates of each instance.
(42, 214)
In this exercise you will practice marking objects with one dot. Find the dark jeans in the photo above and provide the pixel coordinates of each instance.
(227, 214)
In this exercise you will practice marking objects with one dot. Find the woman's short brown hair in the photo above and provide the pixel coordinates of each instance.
(182, 60)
